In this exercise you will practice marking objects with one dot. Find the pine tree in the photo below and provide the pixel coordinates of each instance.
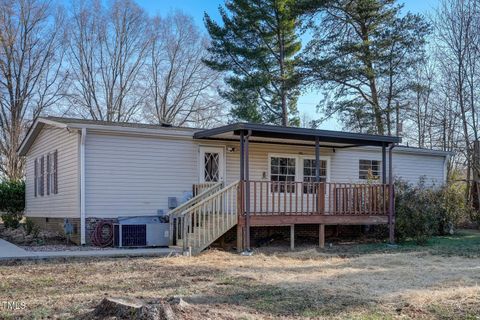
(361, 54)
(256, 46)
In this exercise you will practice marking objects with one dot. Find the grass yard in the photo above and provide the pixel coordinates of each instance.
(371, 281)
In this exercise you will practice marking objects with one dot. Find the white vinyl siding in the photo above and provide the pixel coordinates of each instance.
(128, 175)
(259, 158)
(407, 166)
(134, 175)
(343, 163)
(66, 202)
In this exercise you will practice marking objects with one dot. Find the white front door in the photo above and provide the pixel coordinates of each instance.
(211, 164)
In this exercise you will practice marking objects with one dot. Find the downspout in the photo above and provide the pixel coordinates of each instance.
(391, 196)
(247, 191)
(83, 223)
(445, 168)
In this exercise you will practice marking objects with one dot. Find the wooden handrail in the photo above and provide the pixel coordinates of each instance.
(309, 198)
(199, 188)
(201, 224)
(213, 187)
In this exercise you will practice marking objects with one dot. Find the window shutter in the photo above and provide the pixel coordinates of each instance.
(48, 174)
(42, 175)
(35, 174)
(55, 172)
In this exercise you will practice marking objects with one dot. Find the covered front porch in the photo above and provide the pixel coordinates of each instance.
(298, 188)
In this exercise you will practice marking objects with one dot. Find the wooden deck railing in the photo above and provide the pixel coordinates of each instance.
(309, 198)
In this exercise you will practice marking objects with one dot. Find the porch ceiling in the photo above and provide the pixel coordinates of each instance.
(278, 134)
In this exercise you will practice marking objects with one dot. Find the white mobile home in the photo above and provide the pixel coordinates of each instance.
(237, 175)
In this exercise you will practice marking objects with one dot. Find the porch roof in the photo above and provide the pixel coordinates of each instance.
(270, 133)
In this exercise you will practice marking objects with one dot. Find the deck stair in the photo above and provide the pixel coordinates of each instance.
(199, 224)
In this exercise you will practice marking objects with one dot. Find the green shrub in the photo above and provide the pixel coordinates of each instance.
(29, 226)
(35, 231)
(475, 217)
(11, 220)
(422, 212)
(456, 210)
(12, 202)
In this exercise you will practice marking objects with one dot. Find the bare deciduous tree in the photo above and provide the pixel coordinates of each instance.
(182, 90)
(107, 52)
(30, 72)
(420, 105)
(457, 39)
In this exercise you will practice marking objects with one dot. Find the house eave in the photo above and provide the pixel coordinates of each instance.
(294, 133)
(37, 126)
(33, 132)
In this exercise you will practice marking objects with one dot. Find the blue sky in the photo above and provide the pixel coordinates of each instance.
(196, 8)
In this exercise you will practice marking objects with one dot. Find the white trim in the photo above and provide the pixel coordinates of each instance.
(32, 131)
(83, 223)
(208, 148)
(156, 135)
(445, 168)
(298, 168)
(408, 150)
(52, 123)
(165, 132)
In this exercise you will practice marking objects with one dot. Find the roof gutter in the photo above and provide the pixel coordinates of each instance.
(391, 195)
(167, 132)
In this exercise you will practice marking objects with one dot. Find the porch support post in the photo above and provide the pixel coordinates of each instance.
(321, 236)
(242, 156)
(241, 198)
(391, 196)
(317, 170)
(239, 238)
(292, 237)
(384, 164)
(247, 192)
(317, 159)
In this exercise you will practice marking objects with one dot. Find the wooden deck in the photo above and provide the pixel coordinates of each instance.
(282, 203)
(273, 203)
(286, 220)
(216, 209)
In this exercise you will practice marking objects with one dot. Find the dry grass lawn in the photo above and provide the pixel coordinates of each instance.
(218, 285)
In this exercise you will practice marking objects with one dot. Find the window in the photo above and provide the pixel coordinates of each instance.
(49, 173)
(41, 180)
(52, 178)
(35, 178)
(309, 173)
(282, 169)
(46, 172)
(369, 169)
(212, 167)
(55, 172)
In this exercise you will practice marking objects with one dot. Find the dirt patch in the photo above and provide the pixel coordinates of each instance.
(219, 285)
(62, 247)
(20, 237)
